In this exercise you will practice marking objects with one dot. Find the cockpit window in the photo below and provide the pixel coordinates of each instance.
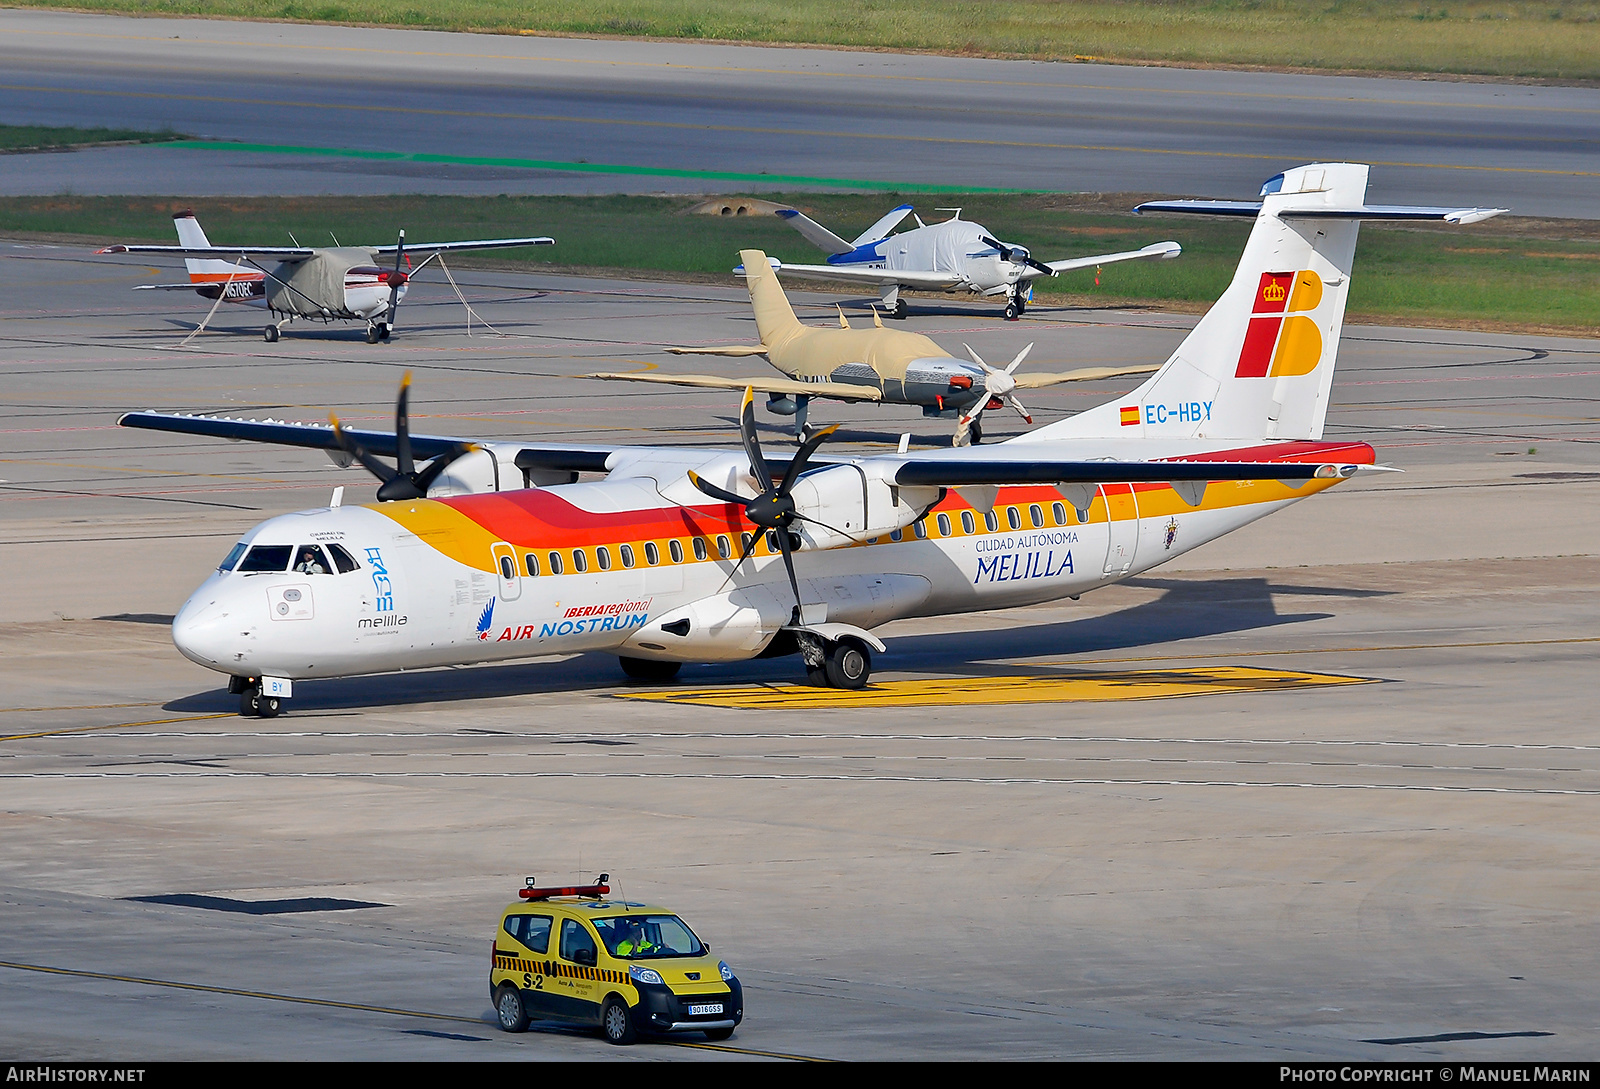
(342, 560)
(267, 558)
(310, 560)
(233, 557)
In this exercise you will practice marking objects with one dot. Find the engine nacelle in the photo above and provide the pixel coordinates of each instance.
(729, 627)
(492, 468)
(849, 503)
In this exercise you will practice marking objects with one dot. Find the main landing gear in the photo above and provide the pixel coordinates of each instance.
(376, 331)
(252, 704)
(835, 663)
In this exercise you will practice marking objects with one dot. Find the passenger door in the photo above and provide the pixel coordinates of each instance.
(578, 987)
(530, 936)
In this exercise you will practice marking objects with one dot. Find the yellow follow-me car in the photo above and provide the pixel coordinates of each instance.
(571, 954)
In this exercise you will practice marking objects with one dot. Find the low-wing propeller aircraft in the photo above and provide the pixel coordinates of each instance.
(494, 551)
(877, 364)
(328, 284)
(955, 255)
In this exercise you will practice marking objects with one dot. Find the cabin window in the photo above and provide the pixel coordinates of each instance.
(747, 541)
(533, 564)
(580, 560)
(921, 528)
(267, 558)
(991, 520)
(652, 554)
(944, 525)
(602, 556)
(508, 568)
(232, 557)
(700, 548)
(772, 542)
(724, 546)
(555, 563)
(1013, 519)
(967, 523)
(1036, 516)
(675, 547)
(896, 534)
(627, 555)
(343, 562)
(1058, 511)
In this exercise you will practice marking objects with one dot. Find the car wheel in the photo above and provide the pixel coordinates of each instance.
(646, 669)
(617, 1023)
(508, 1007)
(718, 1034)
(849, 664)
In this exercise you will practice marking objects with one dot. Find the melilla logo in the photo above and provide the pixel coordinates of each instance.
(1281, 339)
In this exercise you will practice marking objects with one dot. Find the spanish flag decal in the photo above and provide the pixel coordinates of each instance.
(1277, 345)
(1130, 415)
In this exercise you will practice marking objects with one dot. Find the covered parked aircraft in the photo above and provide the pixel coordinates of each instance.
(328, 284)
(955, 255)
(704, 555)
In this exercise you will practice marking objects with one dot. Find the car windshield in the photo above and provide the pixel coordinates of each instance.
(639, 936)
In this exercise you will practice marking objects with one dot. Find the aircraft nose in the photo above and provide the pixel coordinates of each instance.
(202, 628)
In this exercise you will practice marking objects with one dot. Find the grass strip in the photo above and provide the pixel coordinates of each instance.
(1511, 272)
(1546, 39)
(45, 138)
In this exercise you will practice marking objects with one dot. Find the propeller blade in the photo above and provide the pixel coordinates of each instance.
(1016, 404)
(976, 358)
(715, 492)
(1005, 250)
(424, 480)
(1040, 265)
(798, 465)
(396, 278)
(1020, 357)
(402, 429)
(744, 554)
(377, 468)
(752, 443)
(788, 564)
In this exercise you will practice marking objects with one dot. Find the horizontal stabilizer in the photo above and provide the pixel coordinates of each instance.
(882, 228)
(1393, 213)
(168, 287)
(736, 350)
(786, 387)
(814, 232)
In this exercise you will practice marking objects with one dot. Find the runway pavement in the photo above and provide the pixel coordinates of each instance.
(1266, 870)
(389, 111)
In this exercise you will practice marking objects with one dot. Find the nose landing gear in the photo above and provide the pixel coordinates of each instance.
(252, 702)
(376, 331)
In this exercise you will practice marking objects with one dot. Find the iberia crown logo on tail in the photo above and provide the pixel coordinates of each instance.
(1276, 344)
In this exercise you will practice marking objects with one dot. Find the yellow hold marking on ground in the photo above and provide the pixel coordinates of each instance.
(1044, 688)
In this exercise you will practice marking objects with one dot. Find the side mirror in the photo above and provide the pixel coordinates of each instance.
(585, 957)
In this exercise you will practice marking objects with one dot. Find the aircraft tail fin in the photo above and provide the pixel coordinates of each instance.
(814, 232)
(1259, 365)
(774, 316)
(206, 270)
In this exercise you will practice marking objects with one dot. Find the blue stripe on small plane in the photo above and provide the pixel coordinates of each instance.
(861, 255)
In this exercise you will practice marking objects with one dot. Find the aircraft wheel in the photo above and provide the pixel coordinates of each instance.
(372, 334)
(383, 332)
(1013, 310)
(270, 334)
(975, 431)
(899, 311)
(647, 669)
(269, 706)
(1022, 304)
(250, 702)
(849, 664)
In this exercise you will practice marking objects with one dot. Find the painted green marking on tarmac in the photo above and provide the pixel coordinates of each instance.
(579, 168)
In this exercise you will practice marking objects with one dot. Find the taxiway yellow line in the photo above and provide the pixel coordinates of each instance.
(113, 726)
(393, 1011)
(969, 691)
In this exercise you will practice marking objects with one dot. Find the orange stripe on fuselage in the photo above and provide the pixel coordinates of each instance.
(465, 527)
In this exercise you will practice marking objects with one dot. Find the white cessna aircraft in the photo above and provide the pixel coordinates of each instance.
(955, 255)
(493, 551)
(318, 284)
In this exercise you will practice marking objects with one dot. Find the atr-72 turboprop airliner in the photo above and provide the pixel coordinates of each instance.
(494, 551)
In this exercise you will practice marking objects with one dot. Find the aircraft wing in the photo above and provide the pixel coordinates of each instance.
(560, 456)
(475, 244)
(281, 253)
(172, 287)
(955, 472)
(877, 277)
(788, 387)
(1393, 213)
(1035, 379)
(814, 232)
(727, 349)
(1161, 250)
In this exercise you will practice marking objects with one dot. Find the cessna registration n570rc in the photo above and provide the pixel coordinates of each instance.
(493, 551)
(342, 283)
